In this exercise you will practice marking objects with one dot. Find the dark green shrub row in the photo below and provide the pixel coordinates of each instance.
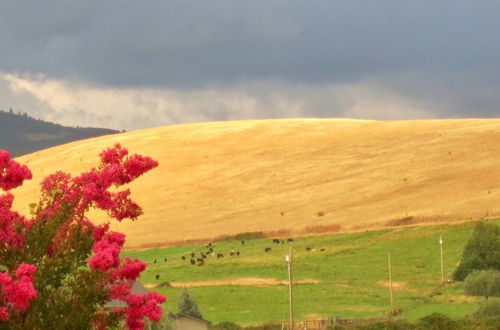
(242, 236)
(435, 321)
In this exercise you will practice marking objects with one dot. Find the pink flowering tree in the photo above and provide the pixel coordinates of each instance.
(57, 268)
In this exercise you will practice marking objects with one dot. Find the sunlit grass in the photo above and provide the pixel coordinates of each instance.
(351, 272)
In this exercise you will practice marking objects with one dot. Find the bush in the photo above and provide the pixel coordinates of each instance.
(265, 326)
(484, 283)
(437, 321)
(388, 325)
(225, 326)
(249, 235)
(241, 236)
(188, 305)
(488, 309)
(481, 252)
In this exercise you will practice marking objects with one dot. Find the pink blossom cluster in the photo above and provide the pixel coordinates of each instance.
(92, 188)
(141, 306)
(123, 274)
(12, 174)
(17, 294)
(107, 252)
(12, 224)
(67, 199)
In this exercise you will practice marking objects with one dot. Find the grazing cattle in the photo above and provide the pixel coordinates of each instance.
(154, 261)
(211, 250)
(267, 249)
(242, 242)
(199, 259)
(238, 253)
(203, 255)
(192, 261)
(165, 259)
(183, 258)
(220, 255)
(192, 255)
(322, 249)
(308, 248)
(157, 276)
(201, 263)
(290, 240)
(276, 241)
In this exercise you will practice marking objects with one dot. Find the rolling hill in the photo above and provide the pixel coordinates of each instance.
(295, 176)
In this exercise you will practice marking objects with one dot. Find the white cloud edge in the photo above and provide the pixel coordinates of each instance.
(77, 104)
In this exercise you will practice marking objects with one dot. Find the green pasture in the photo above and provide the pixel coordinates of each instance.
(351, 275)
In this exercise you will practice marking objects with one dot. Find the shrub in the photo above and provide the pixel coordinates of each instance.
(187, 305)
(488, 309)
(241, 236)
(388, 325)
(58, 269)
(401, 222)
(225, 326)
(249, 235)
(437, 321)
(484, 283)
(265, 326)
(481, 252)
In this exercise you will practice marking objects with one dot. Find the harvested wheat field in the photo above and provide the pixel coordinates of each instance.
(295, 176)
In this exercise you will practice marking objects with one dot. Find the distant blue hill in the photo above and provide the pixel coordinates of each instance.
(21, 134)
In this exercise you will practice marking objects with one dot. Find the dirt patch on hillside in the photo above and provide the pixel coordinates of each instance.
(395, 285)
(241, 281)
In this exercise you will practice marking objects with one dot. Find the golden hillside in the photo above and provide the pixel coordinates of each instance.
(232, 177)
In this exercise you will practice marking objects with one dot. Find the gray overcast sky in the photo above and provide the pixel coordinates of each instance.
(132, 64)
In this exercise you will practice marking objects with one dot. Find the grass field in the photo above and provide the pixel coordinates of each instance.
(348, 279)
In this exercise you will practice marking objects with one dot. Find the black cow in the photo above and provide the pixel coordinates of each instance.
(267, 249)
(308, 248)
(183, 258)
(157, 276)
(276, 241)
(192, 261)
(165, 259)
(220, 255)
(290, 240)
(154, 261)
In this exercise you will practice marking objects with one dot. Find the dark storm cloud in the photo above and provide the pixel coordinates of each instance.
(444, 54)
(193, 43)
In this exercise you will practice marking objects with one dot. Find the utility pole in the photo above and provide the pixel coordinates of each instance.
(288, 259)
(442, 266)
(390, 283)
